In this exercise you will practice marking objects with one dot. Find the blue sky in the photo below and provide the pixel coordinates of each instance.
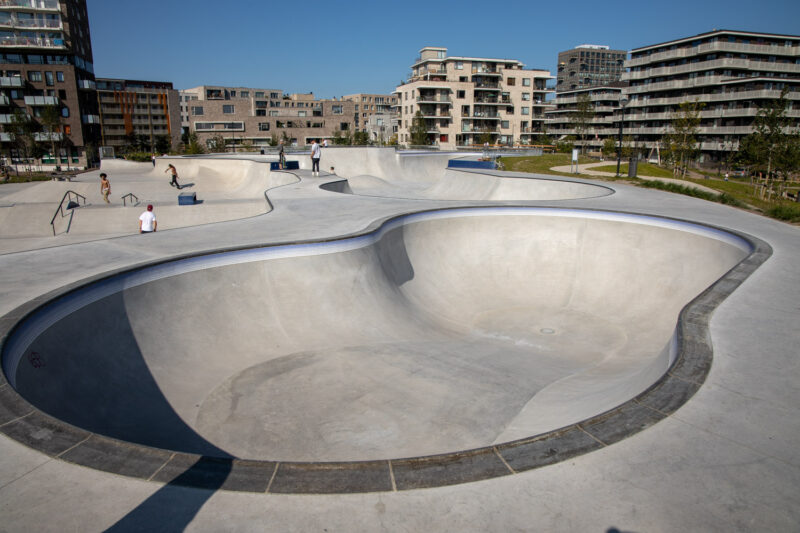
(336, 48)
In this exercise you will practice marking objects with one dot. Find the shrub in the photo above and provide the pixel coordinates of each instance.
(787, 212)
(141, 157)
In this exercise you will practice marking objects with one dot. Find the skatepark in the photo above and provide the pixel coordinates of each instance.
(399, 345)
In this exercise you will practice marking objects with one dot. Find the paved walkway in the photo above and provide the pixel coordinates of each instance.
(587, 169)
(727, 460)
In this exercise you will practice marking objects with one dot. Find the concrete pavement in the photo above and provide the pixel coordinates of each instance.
(725, 460)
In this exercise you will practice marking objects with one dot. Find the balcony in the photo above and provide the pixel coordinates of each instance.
(718, 46)
(35, 5)
(33, 42)
(31, 24)
(446, 116)
(487, 85)
(468, 128)
(90, 119)
(87, 84)
(4, 99)
(487, 71)
(41, 100)
(13, 81)
(434, 99)
(43, 136)
(5, 137)
(8, 119)
(493, 100)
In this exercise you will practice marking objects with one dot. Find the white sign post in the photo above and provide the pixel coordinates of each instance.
(574, 163)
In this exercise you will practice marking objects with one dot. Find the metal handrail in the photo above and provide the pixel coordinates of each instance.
(67, 196)
(132, 197)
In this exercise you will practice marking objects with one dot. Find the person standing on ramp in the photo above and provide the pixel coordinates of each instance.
(316, 154)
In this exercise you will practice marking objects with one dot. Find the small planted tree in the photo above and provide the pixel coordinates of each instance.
(681, 146)
(163, 144)
(51, 122)
(419, 131)
(23, 129)
(774, 146)
(581, 119)
(216, 143)
(609, 147)
(193, 147)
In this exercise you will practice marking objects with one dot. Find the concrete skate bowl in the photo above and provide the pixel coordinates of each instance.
(471, 185)
(469, 343)
(384, 172)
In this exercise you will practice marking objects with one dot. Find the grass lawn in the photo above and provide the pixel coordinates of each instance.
(730, 191)
(643, 169)
(542, 164)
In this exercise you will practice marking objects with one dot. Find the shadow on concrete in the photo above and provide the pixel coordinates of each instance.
(174, 506)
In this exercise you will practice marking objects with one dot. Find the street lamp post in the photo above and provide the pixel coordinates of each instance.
(622, 103)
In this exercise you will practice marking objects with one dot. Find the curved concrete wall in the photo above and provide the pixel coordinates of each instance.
(439, 332)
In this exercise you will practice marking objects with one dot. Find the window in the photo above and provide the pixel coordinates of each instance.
(504, 124)
(526, 82)
(336, 110)
(462, 78)
(274, 95)
(302, 113)
(511, 81)
(526, 110)
(34, 75)
(233, 94)
(228, 109)
(526, 97)
(259, 94)
(244, 94)
(461, 94)
(203, 126)
(460, 65)
(273, 113)
(65, 112)
(344, 126)
(197, 111)
(263, 126)
(261, 112)
(48, 78)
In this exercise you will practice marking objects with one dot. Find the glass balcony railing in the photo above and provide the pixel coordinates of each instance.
(49, 5)
(15, 22)
(11, 81)
(36, 42)
(87, 84)
(41, 100)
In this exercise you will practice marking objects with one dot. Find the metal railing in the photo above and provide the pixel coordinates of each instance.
(132, 197)
(73, 200)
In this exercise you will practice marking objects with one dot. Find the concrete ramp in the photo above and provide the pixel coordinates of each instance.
(439, 332)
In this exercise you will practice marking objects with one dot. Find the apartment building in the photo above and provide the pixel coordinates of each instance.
(136, 110)
(605, 104)
(373, 113)
(464, 100)
(588, 65)
(732, 73)
(243, 116)
(46, 61)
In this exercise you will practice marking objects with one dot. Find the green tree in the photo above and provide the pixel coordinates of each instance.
(217, 143)
(774, 146)
(609, 147)
(681, 146)
(361, 138)
(193, 147)
(581, 119)
(51, 122)
(273, 140)
(23, 128)
(163, 144)
(419, 131)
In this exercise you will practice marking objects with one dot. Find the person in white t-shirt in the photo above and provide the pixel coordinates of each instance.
(316, 154)
(147, 221)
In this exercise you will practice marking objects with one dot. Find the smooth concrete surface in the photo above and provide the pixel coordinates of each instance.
(726, 460)
(443, 332)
